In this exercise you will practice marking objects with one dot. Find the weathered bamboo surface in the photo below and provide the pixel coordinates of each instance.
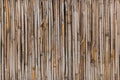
(59, 39)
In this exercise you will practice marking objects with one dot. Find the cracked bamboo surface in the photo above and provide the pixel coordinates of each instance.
(59, 39)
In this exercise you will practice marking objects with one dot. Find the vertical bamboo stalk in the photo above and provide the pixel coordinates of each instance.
(82, 42)
(0, 50)
(55, 39)
(19, 40)
(73, 40)
(23, 38)
(50, 24)
(38, 39)
(6, 40)
(2, 24)
(107, 33)
(62, 26)
(69, 25)
(117, 37)
(26, 51)
(0, 40)
(101, 25)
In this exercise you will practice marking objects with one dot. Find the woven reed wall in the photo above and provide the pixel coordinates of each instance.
(59, 39)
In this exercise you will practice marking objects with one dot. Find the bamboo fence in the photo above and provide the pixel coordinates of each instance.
(59, 39)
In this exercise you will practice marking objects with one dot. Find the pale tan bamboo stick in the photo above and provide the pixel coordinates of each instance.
(35, 28)
(62, 20)
(38, 39)
(112, 39)
(12, 54)
(44, 40)
(100, 35)
(46, 43)
(87, 54)
(0, 49)
(26, 32)
(7, 39)
(52, 19)
(69, 71)
(73, 40)
(78, 35)
(19, 39)
(50, 40)
(2, 24)
(117, 38)
(23, 38)
(107, 56)
(93, 45)
(66, 41)
(82, 42)
(116, 52)
(40, 28)
(55, 39)
(0, 40)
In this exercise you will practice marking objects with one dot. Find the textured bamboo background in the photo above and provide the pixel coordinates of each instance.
(59, 39)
